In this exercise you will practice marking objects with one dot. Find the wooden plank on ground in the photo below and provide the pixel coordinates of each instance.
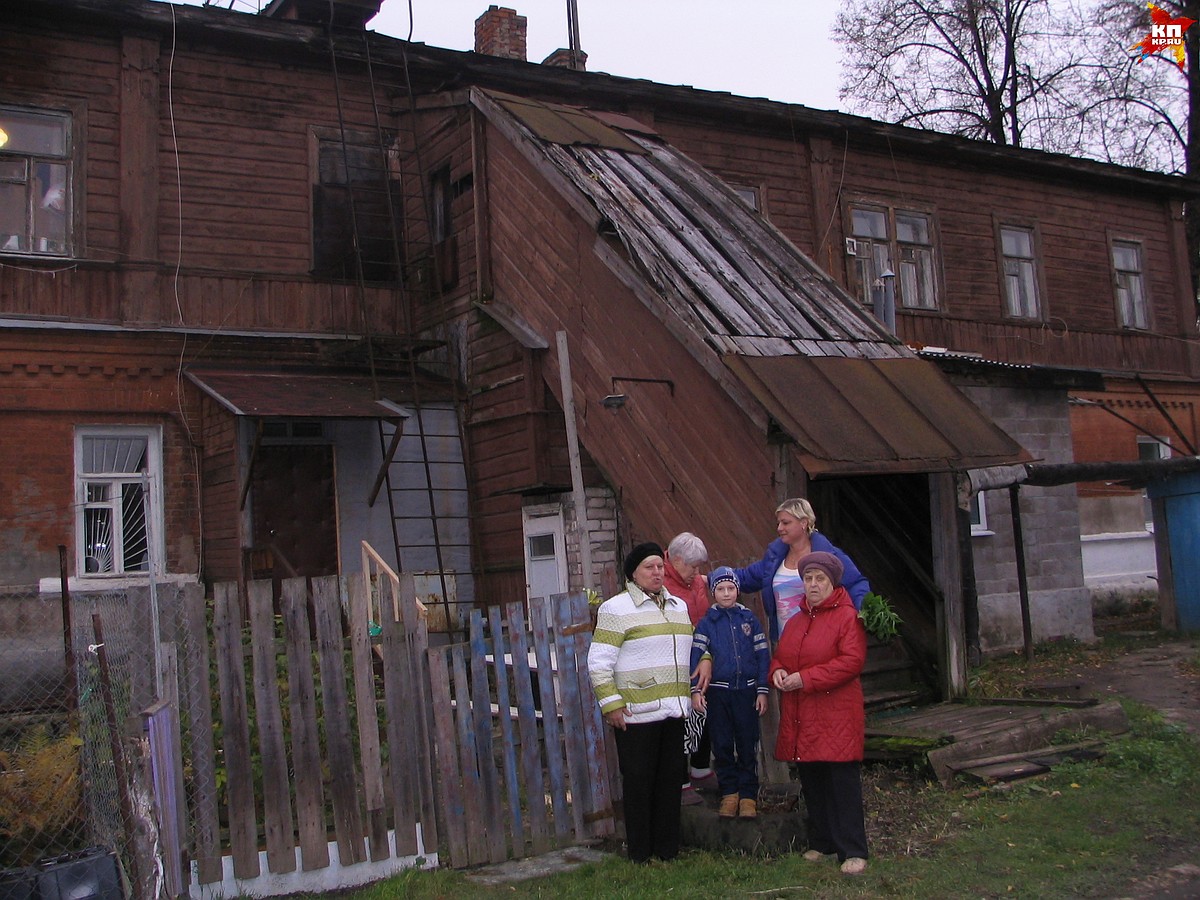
(566, 680)
(508, 748)
(398, 686)
(355, 589)
(481, 714)
(231, 676)
(276, 785)
(335, 711)
(1030, 734)
(551, 726)
(206, 829)
(533, 778)
(306, 742)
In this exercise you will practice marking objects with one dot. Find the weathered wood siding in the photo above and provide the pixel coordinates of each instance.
(1076, 219)
(233, 244)
(669, 479)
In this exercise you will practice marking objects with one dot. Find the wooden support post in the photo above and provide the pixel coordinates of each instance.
(1014, 498)
(580, 498)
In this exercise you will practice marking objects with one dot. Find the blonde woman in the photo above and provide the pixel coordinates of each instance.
(776, 575)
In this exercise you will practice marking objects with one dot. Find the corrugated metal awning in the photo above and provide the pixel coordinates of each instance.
(874, 416)
(298, 395)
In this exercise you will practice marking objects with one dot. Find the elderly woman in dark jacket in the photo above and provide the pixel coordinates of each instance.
(822, 722)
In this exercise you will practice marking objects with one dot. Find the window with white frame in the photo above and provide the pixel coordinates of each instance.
(978, 510)
(35, 181)
(1017, 247)
(117, 473)
(1131, 294)
(897, 241)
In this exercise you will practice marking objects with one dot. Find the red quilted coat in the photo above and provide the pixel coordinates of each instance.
(824, 721)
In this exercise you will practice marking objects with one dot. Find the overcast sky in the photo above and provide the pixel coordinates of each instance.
(779, 49)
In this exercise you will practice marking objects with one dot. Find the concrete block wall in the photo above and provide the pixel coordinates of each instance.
(1060, 603)
(605, 540)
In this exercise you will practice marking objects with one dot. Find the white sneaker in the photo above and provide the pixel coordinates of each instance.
(814, 855)
(855, 865)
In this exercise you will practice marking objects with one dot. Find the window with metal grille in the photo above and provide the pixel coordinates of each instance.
(116, 470)
(35, 182)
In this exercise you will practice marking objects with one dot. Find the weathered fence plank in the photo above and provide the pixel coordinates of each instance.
(416, 635)
(468, 769)
(306, 745)
(335, 712)
(206, 831)
(399, 685)
(368, 718)
(542, 640)
(566, 677)
(598, 813)
(481, 706)
(276, 785)
(231, 675)
(509, 757)
(531, 760)
(450, 784)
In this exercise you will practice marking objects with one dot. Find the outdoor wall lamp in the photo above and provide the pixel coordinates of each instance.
(613, 401)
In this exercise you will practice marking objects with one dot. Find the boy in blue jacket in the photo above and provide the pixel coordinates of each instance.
(731, 636)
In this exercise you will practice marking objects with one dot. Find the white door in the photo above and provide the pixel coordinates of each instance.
(545, 550)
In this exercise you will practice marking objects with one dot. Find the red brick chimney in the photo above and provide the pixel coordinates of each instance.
(562, 58)
(501, 32)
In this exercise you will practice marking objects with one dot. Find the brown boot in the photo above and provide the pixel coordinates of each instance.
(729, 807)
(747, 809)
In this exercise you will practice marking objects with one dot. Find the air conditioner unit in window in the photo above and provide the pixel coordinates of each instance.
(851, 247)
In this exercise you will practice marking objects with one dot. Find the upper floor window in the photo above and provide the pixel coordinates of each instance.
(748, 195)
(356, 208)
(1017, 247)
(35, 181)
(1131, 294)
(116, 473)
(894, 241)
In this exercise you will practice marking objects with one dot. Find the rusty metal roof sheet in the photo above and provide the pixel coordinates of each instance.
(565, 124)
(300, 395)
(871, 416)
(852, 395)
(738, 281)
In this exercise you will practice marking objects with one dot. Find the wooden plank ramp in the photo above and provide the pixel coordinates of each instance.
(995, 737)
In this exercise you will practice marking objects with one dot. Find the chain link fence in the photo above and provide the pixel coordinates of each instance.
(75, 772)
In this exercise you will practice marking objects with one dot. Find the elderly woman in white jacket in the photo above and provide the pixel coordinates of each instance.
(638, 664)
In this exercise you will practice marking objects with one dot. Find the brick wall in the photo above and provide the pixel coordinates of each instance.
(501, 32)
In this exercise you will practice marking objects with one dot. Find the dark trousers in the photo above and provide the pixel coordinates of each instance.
(733, 727)
(833, 797)
(652, 775)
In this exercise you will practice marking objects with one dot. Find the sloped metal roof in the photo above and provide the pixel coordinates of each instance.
(299, 395)
(853, 396)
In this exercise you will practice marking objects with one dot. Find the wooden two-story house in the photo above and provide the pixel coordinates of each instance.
(271, 285)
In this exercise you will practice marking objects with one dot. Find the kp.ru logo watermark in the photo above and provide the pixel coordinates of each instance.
(1166, 36)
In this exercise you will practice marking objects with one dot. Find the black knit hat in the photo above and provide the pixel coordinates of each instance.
(638, 554)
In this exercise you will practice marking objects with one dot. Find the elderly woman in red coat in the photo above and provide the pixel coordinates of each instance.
(822, 722)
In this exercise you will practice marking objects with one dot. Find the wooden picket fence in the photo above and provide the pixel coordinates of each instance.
(341, 725)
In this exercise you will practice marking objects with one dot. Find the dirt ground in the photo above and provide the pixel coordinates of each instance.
(1163, 676)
